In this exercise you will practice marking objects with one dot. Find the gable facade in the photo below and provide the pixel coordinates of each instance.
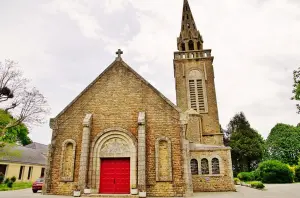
(122, 136)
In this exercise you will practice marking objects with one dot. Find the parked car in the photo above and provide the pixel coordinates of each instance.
(37, 185)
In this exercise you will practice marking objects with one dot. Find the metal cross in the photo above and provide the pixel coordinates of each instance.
(119, 53)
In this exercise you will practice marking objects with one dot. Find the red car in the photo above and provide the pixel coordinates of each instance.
(37, 185)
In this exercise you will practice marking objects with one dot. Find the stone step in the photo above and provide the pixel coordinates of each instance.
(112, 196)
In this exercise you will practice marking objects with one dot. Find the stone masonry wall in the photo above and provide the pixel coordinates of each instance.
(182, 68)
(214, 183)
(115, 100)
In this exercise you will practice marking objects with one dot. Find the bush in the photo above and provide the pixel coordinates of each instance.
(246, 176)
(13, 179)
(297, 173)
(1, 177)
(275, 172)
(237, 181)
(256, 175)
(9, 184)
(257, 185)
(6, 180)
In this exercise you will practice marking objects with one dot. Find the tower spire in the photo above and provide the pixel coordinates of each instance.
(190, 38)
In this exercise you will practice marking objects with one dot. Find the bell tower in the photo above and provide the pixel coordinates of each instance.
(195, 86)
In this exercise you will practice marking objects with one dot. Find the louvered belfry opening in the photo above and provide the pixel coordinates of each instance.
(193, 97)
(196, 91)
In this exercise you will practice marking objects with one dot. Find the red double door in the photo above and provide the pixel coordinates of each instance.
(115, 176)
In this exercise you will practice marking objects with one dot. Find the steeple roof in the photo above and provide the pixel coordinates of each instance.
(187, 18)
(189, 32)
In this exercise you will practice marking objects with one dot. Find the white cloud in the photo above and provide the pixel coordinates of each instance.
(63, 45)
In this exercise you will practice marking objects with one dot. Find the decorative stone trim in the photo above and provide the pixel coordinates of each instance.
(85, 148)
(62, 162)
(112, 143)
(142, 154)
(157, 158)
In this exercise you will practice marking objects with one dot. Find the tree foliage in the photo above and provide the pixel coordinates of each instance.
(296, 89)
(283, 144)
(26, 104)
(17, 134)
(246, 143)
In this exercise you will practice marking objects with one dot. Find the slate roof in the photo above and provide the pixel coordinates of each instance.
(22, 155)
(41, 147)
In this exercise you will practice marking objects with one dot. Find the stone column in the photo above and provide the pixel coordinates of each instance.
(85, 148)
(184, 117)
(142, 154)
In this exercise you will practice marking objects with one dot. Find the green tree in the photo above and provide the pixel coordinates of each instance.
(296, 89)
(283, 144)
(16, 134)
(26, 104)
(246, 143)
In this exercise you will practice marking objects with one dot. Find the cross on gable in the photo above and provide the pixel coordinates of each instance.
(119, 53)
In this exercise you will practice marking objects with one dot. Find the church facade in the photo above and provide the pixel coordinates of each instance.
(122, 136)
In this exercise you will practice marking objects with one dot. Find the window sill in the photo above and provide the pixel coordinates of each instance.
(215, 175)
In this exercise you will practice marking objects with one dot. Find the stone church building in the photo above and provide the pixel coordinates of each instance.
(122, 136)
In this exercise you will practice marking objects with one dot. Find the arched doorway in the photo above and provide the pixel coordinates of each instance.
(113, 162)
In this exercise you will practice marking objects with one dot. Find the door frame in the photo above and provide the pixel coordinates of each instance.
(98, 150)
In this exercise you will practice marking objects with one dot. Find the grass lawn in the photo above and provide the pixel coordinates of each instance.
(16, 186)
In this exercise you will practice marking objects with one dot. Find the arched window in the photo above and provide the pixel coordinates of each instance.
(215, 166)
(191, 45)
(188, 25)
(183, 18)
(204, 167)
(187, 16)
(199, 45)
(67, 160)
(196, 84)
(163, 158)
(194, 167)
(183, 46)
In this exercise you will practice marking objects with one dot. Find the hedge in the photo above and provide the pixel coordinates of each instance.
(257, 185)
(273, 171)
(246, 176)
(297, 174)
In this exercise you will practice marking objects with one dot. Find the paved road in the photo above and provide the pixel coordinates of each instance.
(273, 191)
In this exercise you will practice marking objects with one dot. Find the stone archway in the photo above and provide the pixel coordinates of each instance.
(112, 143)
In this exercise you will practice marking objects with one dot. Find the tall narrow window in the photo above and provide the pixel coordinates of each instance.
(182, 46)
(42, 172)
(199, 45)
(21, 172)
(194, 167)
(204, 167)
(163, 159)
(193, 97)
(191, 45)
(215, 166)
(200, 91)
(29, 172)
(196, 86)
(68, 160)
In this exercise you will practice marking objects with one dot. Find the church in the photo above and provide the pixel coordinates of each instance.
(121, 136)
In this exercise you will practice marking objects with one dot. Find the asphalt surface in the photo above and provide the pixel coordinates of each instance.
(272, 191)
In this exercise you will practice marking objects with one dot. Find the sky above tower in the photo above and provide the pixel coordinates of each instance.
(64, 45)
